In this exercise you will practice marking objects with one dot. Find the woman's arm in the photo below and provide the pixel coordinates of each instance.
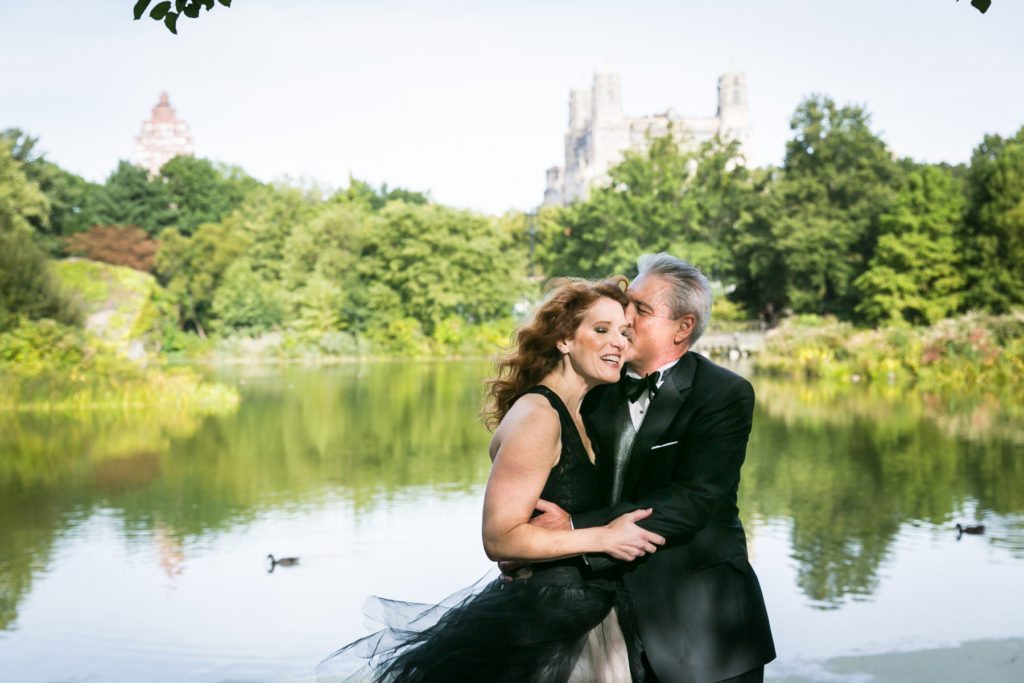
(528, 445)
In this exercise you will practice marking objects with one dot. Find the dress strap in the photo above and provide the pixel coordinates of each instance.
(552, 398)
(572, 442)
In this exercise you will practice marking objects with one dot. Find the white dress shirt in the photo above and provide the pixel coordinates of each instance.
(638, 408)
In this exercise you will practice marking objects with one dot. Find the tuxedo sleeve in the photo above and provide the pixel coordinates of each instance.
(706, 472)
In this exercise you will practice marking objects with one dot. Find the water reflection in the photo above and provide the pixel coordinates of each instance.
(366, 433)
(835, 477)
(850, 467)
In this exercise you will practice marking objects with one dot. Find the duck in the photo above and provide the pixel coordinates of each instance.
(283, 561)
(974, 529)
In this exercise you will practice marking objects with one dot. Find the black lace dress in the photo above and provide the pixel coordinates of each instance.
(556, 625)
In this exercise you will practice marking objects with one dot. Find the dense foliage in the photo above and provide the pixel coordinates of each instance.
(27, 287)
(48, 366)
(842, 228)
(964, 354)
(387, 267)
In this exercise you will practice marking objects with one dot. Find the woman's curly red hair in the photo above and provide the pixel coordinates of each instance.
(534, 353)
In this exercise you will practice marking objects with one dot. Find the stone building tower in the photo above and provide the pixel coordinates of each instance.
(599, 133)
(163, 137)
(553, 193)
(733, 120)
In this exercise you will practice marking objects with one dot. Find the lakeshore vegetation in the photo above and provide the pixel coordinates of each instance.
(882, 267)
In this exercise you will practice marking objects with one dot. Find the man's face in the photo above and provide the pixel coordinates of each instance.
(656, 336)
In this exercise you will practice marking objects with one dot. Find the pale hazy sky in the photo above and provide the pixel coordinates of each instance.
(469, 100)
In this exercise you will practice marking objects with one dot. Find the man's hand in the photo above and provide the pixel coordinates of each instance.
(514, 569)
(551, 516)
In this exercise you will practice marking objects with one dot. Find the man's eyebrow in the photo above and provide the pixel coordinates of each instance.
(638, 303)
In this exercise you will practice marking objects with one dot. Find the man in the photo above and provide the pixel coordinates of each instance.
(672, 436)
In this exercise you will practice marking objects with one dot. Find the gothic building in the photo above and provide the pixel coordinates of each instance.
(163, 137)
(599, 132)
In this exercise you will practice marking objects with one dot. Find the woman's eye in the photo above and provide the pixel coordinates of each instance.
(600, 330)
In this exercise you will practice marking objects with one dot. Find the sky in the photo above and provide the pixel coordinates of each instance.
(469, 100)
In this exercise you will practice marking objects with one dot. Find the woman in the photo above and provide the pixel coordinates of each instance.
(556, 624)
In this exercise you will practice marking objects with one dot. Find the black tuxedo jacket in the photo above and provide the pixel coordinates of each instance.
(700, 611)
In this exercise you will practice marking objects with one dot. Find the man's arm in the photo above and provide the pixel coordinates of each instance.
(705, 474)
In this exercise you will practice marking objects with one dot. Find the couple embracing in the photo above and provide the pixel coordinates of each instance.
(611, 504)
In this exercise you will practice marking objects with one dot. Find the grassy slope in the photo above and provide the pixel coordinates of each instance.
(119, 302)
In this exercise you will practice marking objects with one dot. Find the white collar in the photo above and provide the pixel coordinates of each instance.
(663, 370)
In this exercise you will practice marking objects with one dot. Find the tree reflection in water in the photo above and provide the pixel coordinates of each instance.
(847, 467)
(844, 469)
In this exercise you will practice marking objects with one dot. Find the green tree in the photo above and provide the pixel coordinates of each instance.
(245, 302)
(361, 192)
(915, 273)
(431, 262)
(191, 268)
(992, 235)
(758, 270)
(815, 229)
(22, 203)
(69, 196)
(265, 220)
(27, 287)
(199, 191)
(320, 268)
(671, 198)
(129, 197)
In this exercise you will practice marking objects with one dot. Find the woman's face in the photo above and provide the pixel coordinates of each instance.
(596, 350)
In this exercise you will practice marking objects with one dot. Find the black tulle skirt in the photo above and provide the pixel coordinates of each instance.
(553, 627)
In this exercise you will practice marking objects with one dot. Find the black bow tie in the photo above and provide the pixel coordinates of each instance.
(634, 387)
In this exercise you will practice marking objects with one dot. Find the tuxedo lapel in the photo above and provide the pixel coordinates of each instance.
(664, 407)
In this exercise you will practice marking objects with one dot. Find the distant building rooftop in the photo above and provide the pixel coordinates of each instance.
(163, 137)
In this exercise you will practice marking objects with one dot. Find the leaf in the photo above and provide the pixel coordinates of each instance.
(226, 3)
(180, 4)
(192, 11)
(161, 10)
(980, 5)
(140, 8)
(208, 4)
(171, 21)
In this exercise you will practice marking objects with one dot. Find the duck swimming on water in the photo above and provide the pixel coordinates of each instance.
(283, 561)
(974, 529)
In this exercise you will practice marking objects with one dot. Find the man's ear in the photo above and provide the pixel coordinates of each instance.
(684, 328)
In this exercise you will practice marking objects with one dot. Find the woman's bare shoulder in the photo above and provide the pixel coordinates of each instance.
(530, 422)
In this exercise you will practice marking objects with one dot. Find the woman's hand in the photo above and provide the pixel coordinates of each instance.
(626, 541)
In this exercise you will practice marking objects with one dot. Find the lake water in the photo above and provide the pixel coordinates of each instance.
(133, 547)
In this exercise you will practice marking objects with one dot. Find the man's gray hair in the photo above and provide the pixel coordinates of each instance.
(691, 292)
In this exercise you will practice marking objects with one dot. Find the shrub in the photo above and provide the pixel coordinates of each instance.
(970, 352)
(119, 245)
